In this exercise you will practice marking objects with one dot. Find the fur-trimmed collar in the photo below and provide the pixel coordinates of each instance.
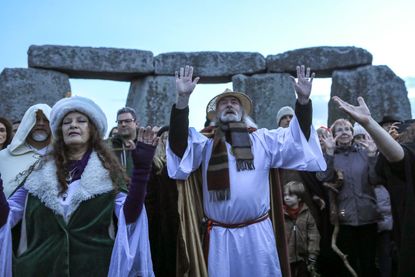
(43, 184)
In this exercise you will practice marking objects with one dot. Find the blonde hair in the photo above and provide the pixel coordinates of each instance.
(340, 121)
(296, 188)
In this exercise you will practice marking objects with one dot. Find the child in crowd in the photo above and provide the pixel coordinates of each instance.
(301, 231)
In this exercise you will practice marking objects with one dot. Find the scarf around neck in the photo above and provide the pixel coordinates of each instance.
(236, 134)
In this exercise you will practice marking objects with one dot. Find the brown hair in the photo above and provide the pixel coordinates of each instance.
(9, 131)
(296, 188)
(107, 157)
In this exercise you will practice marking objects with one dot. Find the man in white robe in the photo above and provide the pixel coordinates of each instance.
(236, 194)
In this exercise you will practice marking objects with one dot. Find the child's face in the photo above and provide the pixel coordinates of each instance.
(291, 200)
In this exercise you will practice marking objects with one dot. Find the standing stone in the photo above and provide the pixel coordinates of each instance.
(383, 91)
(322, 60)
(21, 88)
(152, 97)
(211, 67)
(93, 63)
(269, 92)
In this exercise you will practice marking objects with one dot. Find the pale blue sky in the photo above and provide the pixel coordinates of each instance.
(384, 28)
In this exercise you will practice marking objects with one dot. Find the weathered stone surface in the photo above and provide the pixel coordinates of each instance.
(383, 91)
(322, 60)
(152, 98)
(269, 92)
(21, 88)
(92, 63)
(211, 67)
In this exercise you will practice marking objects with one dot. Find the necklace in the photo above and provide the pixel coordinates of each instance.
(70, 175)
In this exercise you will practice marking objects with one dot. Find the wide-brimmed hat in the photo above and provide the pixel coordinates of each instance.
(389, 119)
(244, 99)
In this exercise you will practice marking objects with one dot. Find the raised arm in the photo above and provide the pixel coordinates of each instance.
(303, 107)
(389, 147)
(179, 118)
(142, 157)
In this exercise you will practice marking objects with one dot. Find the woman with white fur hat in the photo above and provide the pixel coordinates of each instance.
(76, 216)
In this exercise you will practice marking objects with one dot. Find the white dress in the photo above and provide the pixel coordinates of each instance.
(250, 250)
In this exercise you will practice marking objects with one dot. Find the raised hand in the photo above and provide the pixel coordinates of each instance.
(148, 135)
(360, 113)
(329, 142)
(370, 146)
(184, 85)
(393, 130)
(303, 85)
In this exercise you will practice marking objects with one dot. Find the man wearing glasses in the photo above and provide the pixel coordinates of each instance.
(125, 140)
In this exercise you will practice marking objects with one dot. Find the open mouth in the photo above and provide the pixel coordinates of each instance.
(73, 134)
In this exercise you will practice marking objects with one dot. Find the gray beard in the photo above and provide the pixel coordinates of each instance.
(225, 118)
(39, 136)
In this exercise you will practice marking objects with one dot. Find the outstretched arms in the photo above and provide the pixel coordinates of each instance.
(390, 148)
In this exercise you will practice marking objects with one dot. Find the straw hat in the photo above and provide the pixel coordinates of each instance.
(244, 99)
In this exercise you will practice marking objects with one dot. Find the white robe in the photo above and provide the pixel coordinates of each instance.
(251, 250)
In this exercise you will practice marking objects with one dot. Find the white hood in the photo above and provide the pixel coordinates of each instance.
(27, 123)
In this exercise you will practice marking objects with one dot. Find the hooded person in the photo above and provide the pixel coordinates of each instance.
(76, 216)
(29, 144)
(235, 164)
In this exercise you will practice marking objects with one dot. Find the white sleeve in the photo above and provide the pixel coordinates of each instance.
(131, 253)
(289, 148)
(180, 168)
(16, 204)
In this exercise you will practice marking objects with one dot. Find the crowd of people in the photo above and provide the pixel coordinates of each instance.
(231, 199)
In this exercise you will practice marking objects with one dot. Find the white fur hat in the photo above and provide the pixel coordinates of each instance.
(286, 110)
(82, 105)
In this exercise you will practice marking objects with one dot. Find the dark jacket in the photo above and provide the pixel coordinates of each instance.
(356, 200)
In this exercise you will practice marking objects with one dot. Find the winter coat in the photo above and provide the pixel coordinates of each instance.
(356, 200)
(302, 236)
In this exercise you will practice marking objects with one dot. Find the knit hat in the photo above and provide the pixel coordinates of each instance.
(78, 104)
(286, 110)
(358, 130)
(244, 99)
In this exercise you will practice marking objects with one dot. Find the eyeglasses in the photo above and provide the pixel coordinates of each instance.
(126, 121)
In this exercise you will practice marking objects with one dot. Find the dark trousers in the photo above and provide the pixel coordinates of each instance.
(384, 253)
(299, 269)
(359, 244)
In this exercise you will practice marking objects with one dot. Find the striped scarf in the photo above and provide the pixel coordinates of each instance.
(237, 134)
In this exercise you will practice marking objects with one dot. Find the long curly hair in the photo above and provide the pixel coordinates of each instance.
(105, 154)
